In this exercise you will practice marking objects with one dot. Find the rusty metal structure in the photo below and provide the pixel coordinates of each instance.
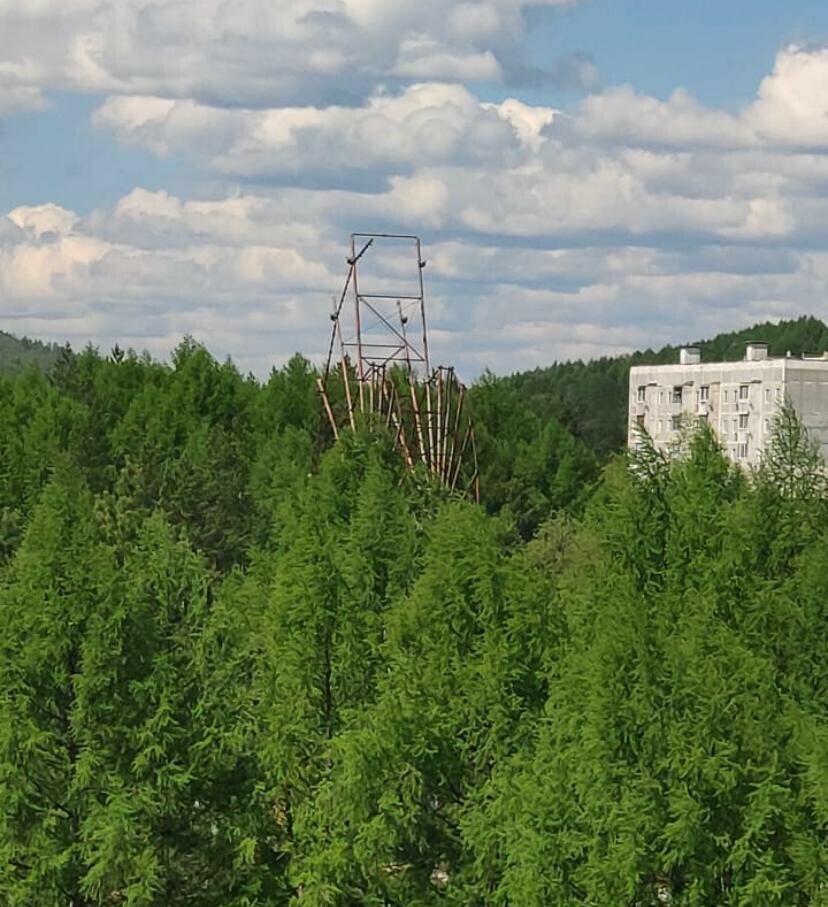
(383, 374)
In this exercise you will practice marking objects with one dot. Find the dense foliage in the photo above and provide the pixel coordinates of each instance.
(16, 354)
(243, 666)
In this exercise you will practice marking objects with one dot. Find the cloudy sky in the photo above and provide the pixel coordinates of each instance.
(587, 177)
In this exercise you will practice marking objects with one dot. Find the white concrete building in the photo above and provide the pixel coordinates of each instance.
(738, 399)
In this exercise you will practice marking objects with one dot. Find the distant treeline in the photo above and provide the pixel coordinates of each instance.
(19, 353)
(589, 399)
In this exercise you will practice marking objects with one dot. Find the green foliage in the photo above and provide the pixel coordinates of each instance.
(671, 760)
(37, 425)
(242, 666)
(19, 354)
(144, 833)
(530, 467)
(52, 591)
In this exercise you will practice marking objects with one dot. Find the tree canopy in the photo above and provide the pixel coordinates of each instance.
(245, 666)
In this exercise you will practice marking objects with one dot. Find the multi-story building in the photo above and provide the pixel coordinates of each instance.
(737, 399)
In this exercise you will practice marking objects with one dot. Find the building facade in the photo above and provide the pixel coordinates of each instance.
(737, 399)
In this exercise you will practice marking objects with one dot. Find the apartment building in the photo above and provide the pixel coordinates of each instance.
(737, 399)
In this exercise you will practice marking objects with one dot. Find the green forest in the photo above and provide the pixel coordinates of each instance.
(243, 665)
(18, 353)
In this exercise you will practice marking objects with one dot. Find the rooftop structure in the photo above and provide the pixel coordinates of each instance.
(737, 399)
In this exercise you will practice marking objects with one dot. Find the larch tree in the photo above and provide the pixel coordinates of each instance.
(52, 591)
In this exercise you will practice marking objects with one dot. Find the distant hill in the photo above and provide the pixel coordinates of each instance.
(590, 398)
(16, 354)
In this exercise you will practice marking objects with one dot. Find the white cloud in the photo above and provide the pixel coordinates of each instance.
(15, 98)
(619, 163)
(426, 124)
(623, 221)
(791, 108)
(35, 221)
(623, 116)
(790, 111)
(528, 121)
(425, 58)
(253, 276)
(232, 275)
(258, 52)
(19, 89)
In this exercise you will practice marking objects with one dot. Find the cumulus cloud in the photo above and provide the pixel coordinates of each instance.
(791, 108)
(790, 111)
(16, 98)
(41, 221)
(253, 276)
(19, 88)
(427, 124)
(619, 222)
(233, 267)
(617, 163)
(256, 52)
(621, 115)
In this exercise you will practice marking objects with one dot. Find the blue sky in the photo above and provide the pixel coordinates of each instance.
(717, 50)
(55, 155)
(621, 167)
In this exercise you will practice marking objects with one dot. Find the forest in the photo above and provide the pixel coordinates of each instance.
(19, 353)
(245, 666)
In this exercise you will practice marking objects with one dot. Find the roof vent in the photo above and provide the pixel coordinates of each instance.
(755, 352)
(689, 355)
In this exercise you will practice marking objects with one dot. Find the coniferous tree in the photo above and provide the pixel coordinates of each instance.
(405, 776)
(313, 657)
(148, 834)
(666, 771)
(245, 666)
(52, 591)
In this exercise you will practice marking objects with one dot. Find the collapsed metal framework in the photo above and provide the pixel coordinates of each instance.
(383, 375)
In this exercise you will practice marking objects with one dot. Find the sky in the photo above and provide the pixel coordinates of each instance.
(588, 177)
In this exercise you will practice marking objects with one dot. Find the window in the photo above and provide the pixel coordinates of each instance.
(725, 394)
(661, 396)
(704, 393)
(724, 426)
(677, 394)
(660, 426)
(642, 393)
(778, 393)
(744, 391)
(639, 422)
(767, 394)
(675, 423)
(741, 451)
(767, 425)
(743, 420)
